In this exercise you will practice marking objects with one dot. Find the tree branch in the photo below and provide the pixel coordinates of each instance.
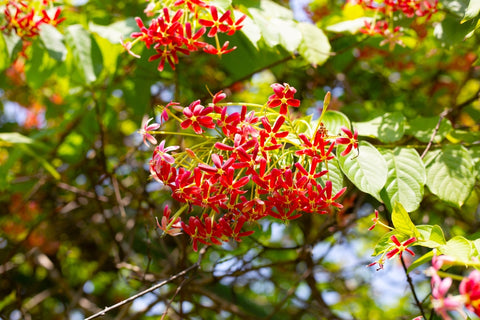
(153, 288)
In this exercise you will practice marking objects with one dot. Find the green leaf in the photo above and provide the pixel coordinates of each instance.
(459, 248)
(368, 171)
(423, 128)
(431, 236)
(402, 222)
(86, 53)
(14, 138)
(451, 31)
(472, 11)
(250, 30)
(335, 175)
(13, 43)
(315, 47)
(333, 121)
(272, 20)
(427, 257)
(406, 178)
(39, 67)
(4, 56)
(52, 39)
(45, 164)
(115, 32)
(384, 243)
(351, 26)
(451, 174)
(389, 127)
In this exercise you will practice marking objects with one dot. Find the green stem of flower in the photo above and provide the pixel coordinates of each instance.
(176, 215)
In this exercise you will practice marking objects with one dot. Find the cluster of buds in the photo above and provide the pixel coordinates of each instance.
(469, 290)
(25, 17)
(179, 28)
(245, 166)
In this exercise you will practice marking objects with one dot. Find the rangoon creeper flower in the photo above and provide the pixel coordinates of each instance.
(400, 247)
(146, 127)
(470, 289)
(443, 303)
(160, 153)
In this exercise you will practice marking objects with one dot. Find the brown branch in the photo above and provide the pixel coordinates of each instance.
(153, 288)
(412, 288)
(434, 133)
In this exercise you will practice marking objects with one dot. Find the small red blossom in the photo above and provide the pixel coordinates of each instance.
(197, 116)
(400, 247)
(168, 225)
(160, 153)
(375, 221)
(470, 289)
(218, 51)
(145, 131)
(351, 140)
(283, 97)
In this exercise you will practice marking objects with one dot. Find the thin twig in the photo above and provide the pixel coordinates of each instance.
(412, 288)
(434, 133)
(153, 288)
(171, 300)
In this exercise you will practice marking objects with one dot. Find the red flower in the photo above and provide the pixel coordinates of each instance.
(400, 247)
(283, 97)
(197, 116)
(470, 289)
(223, 50)
(351, 140)
(216, 24)
(168, 226)
(375, 220)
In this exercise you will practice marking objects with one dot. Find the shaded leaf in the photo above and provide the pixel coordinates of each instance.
(87, 55)
(406, 178)
(423, 128)
(39, 67)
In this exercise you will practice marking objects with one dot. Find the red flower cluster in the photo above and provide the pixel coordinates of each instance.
(470, 289)
(410, 8)
(175, 31)
(257, 167)
(25, 17)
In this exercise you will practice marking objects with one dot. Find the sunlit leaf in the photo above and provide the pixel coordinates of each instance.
(315, 47)
(472, 11)
(459, 248)
(431, 236)
(406, 178)
(14, 137)
(402, 222)
(451, 174)
(351, 26)
(368, 170)
(115, 32)
(387, 128)
(52, 39)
